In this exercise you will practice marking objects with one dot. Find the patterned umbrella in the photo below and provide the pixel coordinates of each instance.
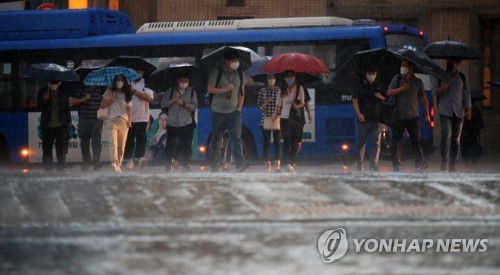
(50, 71)
(105, 76)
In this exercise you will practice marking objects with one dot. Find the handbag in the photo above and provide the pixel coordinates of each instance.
(270, 124)
(387, 113)
(297, 116)
(103, 113)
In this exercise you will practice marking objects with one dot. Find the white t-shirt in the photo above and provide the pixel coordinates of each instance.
(119, 107)
(140, 107)
(287, 101)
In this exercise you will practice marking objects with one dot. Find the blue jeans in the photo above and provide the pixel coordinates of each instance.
(451, 127)
(230, 122)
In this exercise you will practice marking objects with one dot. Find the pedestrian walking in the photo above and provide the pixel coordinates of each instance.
(136, 137)
(55, 121)
(266, 101)
(227, 103)
(181, 102)
(454, 104)
(364, 102)
(292, 118)
(88, 101)
(408, 90)
(118, 98)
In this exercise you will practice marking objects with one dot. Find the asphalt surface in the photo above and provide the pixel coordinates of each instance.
(151, 222)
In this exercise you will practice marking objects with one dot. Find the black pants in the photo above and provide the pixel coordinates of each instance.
(412, 126)
(136, 139)
(292, 135)
(179, 142)
(60, 136)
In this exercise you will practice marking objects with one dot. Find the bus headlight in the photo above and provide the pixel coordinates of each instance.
(24, 153)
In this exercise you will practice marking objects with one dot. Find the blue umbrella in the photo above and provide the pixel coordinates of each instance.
(50, 71)
(256, 68)
(105, 76)
(495, 83)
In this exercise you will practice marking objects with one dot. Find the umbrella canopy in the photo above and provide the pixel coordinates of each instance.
(298, 62)
(163, 78)
(256, 68)
(495, 83)
(383, 61)
(105, 76)
(216, 58)
(135, 62)
(50, 71)
(422, 62)
(84, 70)
(450, 49)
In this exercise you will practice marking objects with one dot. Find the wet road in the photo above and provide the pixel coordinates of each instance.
(150, 222)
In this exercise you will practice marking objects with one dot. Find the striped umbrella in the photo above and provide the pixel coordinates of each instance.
(105, 76)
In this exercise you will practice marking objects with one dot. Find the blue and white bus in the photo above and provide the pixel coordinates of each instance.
(96, 36)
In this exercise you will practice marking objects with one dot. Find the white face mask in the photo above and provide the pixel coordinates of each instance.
(235, 65)
(403, 70)
(271, 81)
(119, 84)
(371, 77)
(183, 85)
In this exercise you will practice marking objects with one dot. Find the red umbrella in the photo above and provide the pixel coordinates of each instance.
(298, 62)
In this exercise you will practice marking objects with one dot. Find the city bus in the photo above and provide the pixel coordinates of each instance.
(94, 37)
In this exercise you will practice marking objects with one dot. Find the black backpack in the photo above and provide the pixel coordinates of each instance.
(209, 97)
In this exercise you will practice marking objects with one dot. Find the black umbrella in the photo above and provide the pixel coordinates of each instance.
(383, 61)
(134, 62)
(50, 72)
(166, 77)
(449, 49)
(216, 58)
(495, 83)
(423, 63)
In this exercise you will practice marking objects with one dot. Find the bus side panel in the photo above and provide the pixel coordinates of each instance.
(14, 127)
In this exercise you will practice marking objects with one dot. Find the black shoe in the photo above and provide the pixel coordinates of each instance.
(374, 168)
(244, 166)
(187, 168)
(422, 165)
(97, 166)
(396, 168)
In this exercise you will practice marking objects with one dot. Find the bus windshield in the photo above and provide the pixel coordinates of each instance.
(396, 41)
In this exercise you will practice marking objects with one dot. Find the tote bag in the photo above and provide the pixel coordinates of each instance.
(269, 124)
(103, 113)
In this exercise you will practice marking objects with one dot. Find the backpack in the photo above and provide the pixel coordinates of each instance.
(209, 97)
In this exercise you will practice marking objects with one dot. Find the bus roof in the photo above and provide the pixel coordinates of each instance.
(243, 24)
(53, 24)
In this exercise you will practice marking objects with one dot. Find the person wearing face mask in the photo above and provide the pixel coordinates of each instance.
(266, 101)
(135, 147)
(291, 97)
(408, 90)
(118, 98)
(180, 102)
(228, 95)
(364, 102)
(454, 105)
(55, 121)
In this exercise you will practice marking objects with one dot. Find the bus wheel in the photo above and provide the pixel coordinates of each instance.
(249, 146)
(4, 152)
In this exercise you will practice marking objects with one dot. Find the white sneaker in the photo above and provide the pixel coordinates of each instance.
(115, 168)
(130, 164)
(290, 168)
(142, 163)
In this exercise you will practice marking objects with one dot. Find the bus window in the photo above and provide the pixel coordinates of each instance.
(396, 41)
(5, 86)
